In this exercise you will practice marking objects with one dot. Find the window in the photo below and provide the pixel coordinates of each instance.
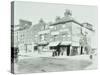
(46, 26)
(55, 37)
(55, 28)
(63, 26)
(51, 27)
(63, 37)
(43, 27)
(42, 38)
(69, 35)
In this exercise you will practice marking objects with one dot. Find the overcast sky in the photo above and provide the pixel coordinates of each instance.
(34, 11)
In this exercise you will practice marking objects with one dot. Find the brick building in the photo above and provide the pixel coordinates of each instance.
(65, 34)
(22, 36)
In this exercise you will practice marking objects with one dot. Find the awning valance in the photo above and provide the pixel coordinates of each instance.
(54, 43)
(75, 44)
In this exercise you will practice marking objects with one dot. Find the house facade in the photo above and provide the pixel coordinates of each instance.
(65, 34)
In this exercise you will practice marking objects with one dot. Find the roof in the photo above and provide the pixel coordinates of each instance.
(63, 22)
(19, 27)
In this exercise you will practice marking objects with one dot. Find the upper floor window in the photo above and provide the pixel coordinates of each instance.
(69, 35)
(43, 27)
(63, 37)
(55, 27)
(55, 37)
(51, 27)
(42, 37)
(63, 26)
(46, 26)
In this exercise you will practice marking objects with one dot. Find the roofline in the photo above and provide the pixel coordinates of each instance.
(83, 25)
(63, 22)
(71, 21)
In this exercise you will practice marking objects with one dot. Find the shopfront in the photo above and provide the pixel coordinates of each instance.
(75, 49)
(65, 48)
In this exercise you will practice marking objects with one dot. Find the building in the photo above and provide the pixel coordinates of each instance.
(21, 35)
(65, 34)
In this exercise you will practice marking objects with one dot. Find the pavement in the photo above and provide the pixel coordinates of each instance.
(94, 64)
(49, 55)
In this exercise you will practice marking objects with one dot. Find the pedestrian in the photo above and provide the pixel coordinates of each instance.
(16, 51)
(91, 56)
(54, 52)
(58, 51)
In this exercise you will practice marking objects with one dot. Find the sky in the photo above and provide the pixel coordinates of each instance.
(33, 11)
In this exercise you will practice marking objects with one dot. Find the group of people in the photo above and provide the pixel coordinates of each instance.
(14, 54)
(58, 51)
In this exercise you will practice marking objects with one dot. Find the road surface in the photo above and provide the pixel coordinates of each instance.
(46, 64)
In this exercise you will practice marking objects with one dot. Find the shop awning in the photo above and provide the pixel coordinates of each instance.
(54, 44)
(75, 44)
(42, 43)
(65, 43)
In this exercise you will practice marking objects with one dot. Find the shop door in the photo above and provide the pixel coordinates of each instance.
(68, 50)
(81, 50)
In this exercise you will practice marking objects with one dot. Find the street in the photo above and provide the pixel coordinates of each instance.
(47, 64)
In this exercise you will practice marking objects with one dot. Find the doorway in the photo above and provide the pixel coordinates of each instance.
(68, 50)
(81, 50)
